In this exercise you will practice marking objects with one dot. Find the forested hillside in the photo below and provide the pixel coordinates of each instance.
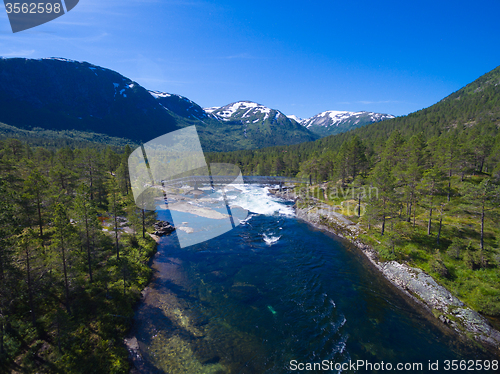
(425, 188)
(472, 107)
(73, 259)
(54, 100)
(434, 203)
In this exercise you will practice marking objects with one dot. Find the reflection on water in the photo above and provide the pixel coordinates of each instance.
(271, 291)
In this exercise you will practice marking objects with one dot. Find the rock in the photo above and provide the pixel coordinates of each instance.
(421, 284)
(286, 193)
(163, 228)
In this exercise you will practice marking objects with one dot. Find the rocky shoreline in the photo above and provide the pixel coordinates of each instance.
(413, 282)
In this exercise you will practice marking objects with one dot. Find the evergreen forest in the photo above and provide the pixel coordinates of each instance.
(74, 256)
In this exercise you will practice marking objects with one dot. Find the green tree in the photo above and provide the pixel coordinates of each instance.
(28, 243)
(341, 164)
(409, 171)
(115, 207)
(87, 223)
(9, 227)
(383, 180)
(62, 238)
(34, 191)
(430, 188)
(392, 152)
(356, 158)
(481, 198)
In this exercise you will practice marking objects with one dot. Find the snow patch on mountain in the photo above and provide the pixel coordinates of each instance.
(295, 118)
(158, 94)
(240, 110)
(211, 109)
(335, 118)
(58, 59)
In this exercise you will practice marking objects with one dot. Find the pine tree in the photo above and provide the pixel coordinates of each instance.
(28, 243)
(356, 158)
(383, 180)
(341, 164)
(481, 198)
(61, 242)
(392, 151)
(9, 227)
(430, 187)
(86, 218)
(115, 208)
(409, 171)
(35, 189)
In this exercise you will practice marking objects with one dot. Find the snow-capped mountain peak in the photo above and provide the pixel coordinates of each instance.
(241, 110)
(334, 121)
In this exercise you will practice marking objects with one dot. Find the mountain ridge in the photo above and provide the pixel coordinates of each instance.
(58, 95)
(332, 122)
(323, 124)
(475, 105)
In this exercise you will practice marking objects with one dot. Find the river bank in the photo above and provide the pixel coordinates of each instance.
(413, 282)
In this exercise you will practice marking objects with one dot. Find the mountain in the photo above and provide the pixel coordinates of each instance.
(295, 118)
(476, 104)
(61, 98)
(180, 105)
(258, 121)
(474, 107)
(335, 122)
(59, 94)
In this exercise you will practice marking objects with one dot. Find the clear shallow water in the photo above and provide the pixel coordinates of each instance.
(275, 290)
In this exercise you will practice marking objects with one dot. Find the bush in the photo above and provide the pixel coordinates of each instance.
(456, 247)
(476, 260)
(496, 257)
(487, 300)
(437, 266)
(132, 240)
(470, 260)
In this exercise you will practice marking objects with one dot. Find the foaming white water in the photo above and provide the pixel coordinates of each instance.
(244, 221)
(270, 240)
(258, 200)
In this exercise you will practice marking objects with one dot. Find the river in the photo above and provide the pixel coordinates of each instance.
(274, 293)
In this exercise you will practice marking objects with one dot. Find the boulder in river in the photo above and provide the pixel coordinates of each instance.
(163, 228)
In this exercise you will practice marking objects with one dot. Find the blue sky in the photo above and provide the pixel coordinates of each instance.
(299, 57)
